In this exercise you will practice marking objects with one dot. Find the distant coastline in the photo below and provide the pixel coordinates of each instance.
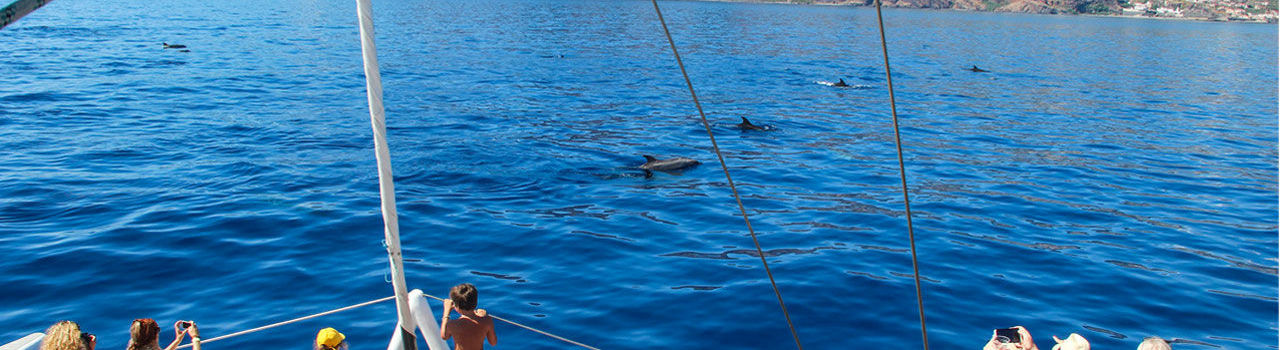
(1246, 11)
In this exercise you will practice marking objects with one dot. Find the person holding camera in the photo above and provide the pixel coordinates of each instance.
(1019, 338)
(144, 334)
(182, 329)
(1013, 338)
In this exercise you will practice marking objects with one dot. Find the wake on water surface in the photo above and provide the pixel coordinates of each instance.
(832, 83)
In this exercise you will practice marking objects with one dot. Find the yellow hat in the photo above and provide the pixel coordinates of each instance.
(329, 337)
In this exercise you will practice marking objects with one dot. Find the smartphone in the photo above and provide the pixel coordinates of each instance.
(1008, 335)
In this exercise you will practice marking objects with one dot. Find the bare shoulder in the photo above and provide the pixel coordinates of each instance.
(484, 316)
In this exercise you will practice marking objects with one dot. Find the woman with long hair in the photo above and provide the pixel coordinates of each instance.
(144, 334)
(66, 335)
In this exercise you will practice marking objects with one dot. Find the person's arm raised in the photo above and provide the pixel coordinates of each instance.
(178, 334)
(195, 336)
(444, 321)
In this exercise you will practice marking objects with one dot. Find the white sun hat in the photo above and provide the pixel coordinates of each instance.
(1073, 342)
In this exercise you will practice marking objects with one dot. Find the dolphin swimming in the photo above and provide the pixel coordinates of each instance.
(669, 164)
(842, 84)
(174, 46)
(975, 69)
(746, 125)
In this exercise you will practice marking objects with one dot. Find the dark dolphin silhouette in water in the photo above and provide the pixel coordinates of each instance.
(746, 125)
(174, 46)
(667, 165)
(840, 83)
(975, 69)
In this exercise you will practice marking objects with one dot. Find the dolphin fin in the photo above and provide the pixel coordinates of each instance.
(745, 121)
(649, 158)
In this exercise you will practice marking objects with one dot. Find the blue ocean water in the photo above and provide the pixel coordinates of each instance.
(1111, 177)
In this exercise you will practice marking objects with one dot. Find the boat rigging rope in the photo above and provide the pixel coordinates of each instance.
(528, 328)
(278, 324)
(902, 172)
(367, 303)
(728, 178)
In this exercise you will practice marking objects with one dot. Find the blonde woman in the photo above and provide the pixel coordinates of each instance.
(66, 335)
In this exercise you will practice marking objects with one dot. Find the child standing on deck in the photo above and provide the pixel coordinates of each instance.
(472, 326)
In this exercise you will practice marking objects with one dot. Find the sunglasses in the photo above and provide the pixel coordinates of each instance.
(88, 338)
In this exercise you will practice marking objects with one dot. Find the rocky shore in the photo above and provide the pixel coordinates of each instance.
(1208, 10)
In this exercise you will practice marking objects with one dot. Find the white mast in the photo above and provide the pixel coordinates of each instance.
(386, 188)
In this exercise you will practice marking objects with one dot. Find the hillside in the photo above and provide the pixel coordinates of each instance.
(1028, 6)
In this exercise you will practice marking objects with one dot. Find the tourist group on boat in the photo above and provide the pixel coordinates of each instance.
(468, 331)
(1019, 338)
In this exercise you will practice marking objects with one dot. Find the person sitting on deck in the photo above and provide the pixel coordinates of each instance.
(330, 339)
(66, 335)
(1154, 343)
(472, 326)
(144, 334)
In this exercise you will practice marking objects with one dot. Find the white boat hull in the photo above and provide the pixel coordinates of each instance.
(32, 342)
